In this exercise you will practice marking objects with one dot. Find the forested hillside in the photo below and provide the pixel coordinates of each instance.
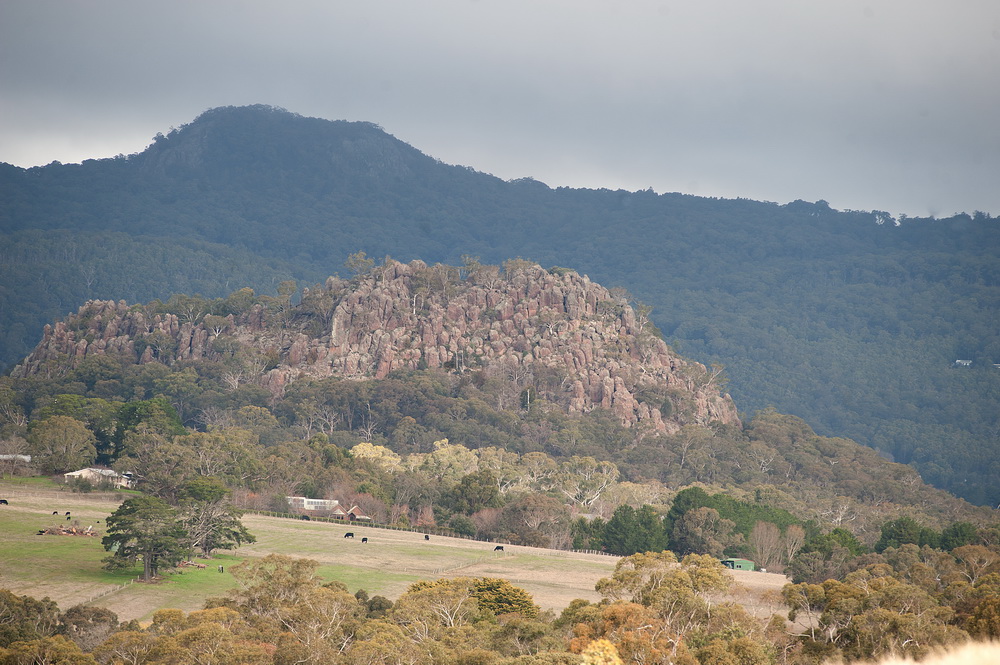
(850, 320)
(466, 388)
(512, 404)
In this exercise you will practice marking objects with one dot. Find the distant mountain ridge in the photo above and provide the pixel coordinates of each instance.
(843, 318)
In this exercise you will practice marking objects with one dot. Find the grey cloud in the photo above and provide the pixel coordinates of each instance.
(886, 105)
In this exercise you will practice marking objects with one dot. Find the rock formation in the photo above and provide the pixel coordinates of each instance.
(549, 334)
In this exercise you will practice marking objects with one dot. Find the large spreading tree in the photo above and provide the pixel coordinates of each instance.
(60, 443)
(146, 528)
(212, 522)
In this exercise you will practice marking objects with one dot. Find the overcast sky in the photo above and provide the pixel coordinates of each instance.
(869, 104)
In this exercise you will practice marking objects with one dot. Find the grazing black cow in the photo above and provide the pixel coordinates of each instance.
(349, 534)
(3, 502)
(426, 537)
(67, 512)
(68, 518)
(498, 548)
(55, 512)
(364, 540)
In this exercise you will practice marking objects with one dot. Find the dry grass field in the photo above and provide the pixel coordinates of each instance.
(391, 560)
(68, 570)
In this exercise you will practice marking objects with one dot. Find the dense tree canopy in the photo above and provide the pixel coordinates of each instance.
(61, 444)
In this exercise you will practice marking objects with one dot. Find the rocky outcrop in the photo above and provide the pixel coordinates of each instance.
(554, 335)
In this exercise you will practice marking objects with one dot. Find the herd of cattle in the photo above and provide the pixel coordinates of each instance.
(70, 530)
(5, 502)
(349, 534)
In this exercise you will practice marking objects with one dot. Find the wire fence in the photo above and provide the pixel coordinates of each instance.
(68, 493)
(439, 531)
(434, 530)
(114, 589)
(474, 562)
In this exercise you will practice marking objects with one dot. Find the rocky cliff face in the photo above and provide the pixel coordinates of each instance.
(547, 334)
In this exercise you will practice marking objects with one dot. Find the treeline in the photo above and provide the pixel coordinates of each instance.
(699, 523)
(654, 609)
(282, 613)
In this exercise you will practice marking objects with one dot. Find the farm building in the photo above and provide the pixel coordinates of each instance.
(739, 564)
(354, 513)
(305, 504)
(98, 476)
(328, 507)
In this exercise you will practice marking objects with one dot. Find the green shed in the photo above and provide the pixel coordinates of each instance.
(738, 564)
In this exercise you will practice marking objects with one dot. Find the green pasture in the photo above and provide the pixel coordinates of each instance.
(29, 482)
(36, 559)
(68, 569)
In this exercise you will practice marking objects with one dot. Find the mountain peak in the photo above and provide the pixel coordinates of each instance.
(266, 143)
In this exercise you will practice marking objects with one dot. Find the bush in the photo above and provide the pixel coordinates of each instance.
(82, 485)
(462, 525)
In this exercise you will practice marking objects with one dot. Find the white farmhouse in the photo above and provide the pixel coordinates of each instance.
(98, 476)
